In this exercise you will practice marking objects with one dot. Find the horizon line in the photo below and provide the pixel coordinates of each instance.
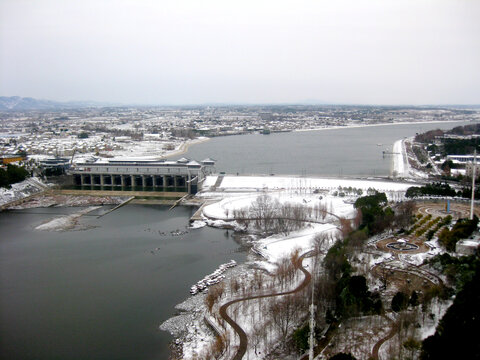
(101, 103)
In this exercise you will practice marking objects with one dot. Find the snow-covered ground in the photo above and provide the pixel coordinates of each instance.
(257, 183)
(400, 162)
(224, 209)
(190, 327)
(21, 190)
(276, 247)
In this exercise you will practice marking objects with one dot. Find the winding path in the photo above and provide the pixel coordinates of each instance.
(242, 349)
(380, 342)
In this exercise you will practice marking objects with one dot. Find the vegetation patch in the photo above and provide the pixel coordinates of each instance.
(11, 175)
(462, 229)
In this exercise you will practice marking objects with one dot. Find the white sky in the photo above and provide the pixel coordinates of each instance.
(242, 51)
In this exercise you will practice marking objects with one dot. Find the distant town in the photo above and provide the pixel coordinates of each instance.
(157, 131)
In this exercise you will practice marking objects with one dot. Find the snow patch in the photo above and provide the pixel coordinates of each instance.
(64, 223)
(197, 224)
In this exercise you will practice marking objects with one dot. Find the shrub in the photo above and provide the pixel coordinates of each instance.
(399, 301)
(342, 356)
(300, 338)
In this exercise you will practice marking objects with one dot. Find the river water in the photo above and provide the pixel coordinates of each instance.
(101, 293)
(330, 152)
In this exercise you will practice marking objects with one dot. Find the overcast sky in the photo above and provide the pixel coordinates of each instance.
(229, 51)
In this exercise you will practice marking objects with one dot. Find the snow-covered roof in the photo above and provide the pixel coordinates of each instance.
(469, 242)
(134, 159)
(208, 160)
(193, 163)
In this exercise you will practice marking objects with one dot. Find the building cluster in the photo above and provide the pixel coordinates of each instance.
(458, 164)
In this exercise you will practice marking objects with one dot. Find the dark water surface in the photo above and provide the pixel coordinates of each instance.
(99, 293)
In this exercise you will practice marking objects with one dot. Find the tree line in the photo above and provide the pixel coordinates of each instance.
(440, 189)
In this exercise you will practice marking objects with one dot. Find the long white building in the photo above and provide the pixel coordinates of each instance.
(182, 175)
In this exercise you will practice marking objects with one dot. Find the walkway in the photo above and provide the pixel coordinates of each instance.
(380, 342)
(242, 349)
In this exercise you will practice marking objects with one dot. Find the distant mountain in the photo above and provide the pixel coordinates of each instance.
(28, 103)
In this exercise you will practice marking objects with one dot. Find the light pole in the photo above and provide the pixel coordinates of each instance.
(473, 182)
(311, 339)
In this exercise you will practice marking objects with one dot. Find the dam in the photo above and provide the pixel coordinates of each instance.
(183, 175)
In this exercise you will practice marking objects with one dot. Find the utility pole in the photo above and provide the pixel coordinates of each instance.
(473, 182)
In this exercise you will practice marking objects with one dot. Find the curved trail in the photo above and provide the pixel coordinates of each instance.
(242, 349)
(380, 342)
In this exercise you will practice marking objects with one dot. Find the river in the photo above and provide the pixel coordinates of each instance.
(355, 151)
(101, 293)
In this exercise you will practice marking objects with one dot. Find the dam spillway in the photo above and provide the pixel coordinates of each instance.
(157, 175)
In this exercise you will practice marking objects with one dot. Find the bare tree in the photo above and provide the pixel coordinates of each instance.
(214, 293)
(257, 336)
(241, 216)
(282, 314)
(345, 226)
(285, 270)
(218, 347)
(263, 210)
(257, 280)
(384, 275)
(234, 285)
(404, 213)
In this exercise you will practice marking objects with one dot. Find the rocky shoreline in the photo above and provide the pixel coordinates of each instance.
(189, 327)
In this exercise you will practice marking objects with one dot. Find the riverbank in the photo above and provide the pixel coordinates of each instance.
(354, 126)
(183, 148)
(400, 164)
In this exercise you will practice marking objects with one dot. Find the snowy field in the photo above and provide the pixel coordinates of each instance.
(224, 209)
(277, 246)
(235, 185)
(249, 183)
